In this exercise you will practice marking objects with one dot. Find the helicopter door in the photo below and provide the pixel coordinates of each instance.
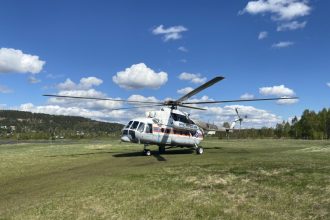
(140, 130)
(148, 135)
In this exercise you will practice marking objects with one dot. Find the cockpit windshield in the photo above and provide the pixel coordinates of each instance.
(134, 125)
(141, 127)
(129, 124)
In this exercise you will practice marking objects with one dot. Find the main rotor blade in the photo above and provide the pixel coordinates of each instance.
(193, 107)
(141, 106)
(103, 99)
(200, 88)
(239, 100)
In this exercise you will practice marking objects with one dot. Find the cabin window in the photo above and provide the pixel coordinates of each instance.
(181, 118)
(134, 125)
(141, 127)
(125, 132)
(149, 128)
(168, 131)
(162, 130)
(129, 124)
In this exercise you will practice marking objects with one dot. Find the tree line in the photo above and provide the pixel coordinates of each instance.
(28, 125)
(311, 125)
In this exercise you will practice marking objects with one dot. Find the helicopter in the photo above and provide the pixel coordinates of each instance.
(170, 127)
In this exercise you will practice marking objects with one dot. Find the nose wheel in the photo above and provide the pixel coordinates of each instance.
(199, 150)
(146, 152)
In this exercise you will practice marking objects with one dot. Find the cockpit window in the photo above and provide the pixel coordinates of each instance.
(129, 124)
(141, 127)
(134, 125)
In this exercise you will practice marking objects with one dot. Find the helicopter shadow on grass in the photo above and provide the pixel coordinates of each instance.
(155, 154)
(80, 154)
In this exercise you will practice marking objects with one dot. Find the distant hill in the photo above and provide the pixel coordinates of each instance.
(27, 125)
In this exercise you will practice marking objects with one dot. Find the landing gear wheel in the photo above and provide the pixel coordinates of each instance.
(147, 152)
(161, 149)
(199, 150)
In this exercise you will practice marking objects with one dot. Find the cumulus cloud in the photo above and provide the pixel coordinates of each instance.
(98, 110)
(15, 61)
(183, 49)
(291, 26)
(141, 98)
(279, 9)
(170, 33)
(58, 110)
(279, 91)
(5, 89)
(287, 101)
(283, 44)
(139, 76)
(328, 84)
(262, 35)
(194, 78)
(247, 96)
(185, 90)
(85, 83)
(84, 89)
(256, 118)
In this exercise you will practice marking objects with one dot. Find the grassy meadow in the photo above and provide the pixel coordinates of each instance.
(106, 179)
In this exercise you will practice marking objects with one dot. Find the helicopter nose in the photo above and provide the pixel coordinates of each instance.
(125, 138)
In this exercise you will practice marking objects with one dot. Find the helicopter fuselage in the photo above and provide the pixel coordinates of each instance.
(166, 127)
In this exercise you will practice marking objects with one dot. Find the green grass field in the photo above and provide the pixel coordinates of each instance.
(236, 179)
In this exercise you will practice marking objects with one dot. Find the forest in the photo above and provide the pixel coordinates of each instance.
(28, 125)
(311, 125)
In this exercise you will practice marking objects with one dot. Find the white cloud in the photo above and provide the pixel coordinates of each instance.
(291, 26)
(328, 84)
(141, 98)
(194, 78)
(247, 96)
(283, 44)
(183, 49)
(185, 90)
(279, 9)
(33, 80)
(5, 89)
(85, 83)
(262, 35)
(204, 98)
(58, 110)
(277, 91)
(183, 61)
(256, 118)
(98, 110)
(83, 89)
(171, 33)
(15, 61)
(287, 101)
(139, 76)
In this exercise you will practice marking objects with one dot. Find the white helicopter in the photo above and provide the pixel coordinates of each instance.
(170, 127)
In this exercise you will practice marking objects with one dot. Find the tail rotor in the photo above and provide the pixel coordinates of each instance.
(240, 119)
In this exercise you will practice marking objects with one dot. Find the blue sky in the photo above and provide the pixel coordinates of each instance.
(98, 40)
